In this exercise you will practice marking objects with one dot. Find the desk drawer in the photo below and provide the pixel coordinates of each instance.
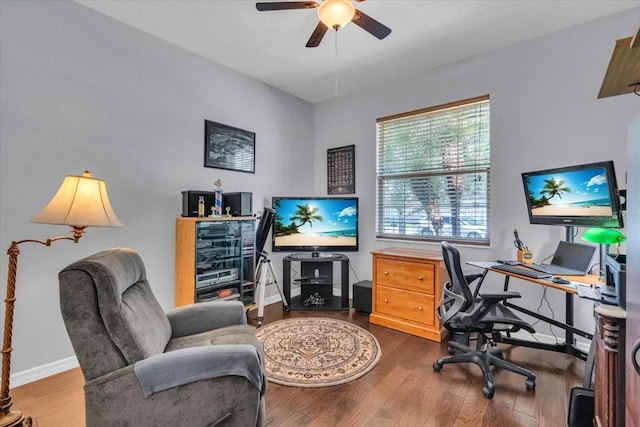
(408, 305)
(412, 276)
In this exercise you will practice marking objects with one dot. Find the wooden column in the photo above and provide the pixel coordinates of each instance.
(609, 384)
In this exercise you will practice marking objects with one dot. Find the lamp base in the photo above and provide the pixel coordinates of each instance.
(15, 419)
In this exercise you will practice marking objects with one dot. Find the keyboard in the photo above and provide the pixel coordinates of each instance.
(521, 271)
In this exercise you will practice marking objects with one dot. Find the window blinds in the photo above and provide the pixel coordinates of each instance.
(433, 173)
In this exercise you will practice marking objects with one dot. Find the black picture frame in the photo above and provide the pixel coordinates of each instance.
(228, 147)
(341, 170)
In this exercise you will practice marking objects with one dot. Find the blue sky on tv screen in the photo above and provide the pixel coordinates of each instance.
(338, 215)
(587, 187)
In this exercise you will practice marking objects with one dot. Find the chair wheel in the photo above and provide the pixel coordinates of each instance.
(531, 384)
(488, 392)
(286, 308)
(437, 366)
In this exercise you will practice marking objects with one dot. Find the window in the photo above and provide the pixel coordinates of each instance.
(433, 170)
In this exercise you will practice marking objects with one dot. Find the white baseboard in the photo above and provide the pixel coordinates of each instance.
(40, 372)
(43, 371)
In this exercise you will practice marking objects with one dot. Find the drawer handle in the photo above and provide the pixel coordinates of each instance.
(386, 273)
(634, 356)
(386, 300)
(419, 308)
(419, 277)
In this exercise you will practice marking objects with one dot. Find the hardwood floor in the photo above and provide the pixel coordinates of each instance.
(401, 390)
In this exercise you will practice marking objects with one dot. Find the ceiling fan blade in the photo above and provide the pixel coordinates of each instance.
(286, 5)
(317, 35)
(371, 25)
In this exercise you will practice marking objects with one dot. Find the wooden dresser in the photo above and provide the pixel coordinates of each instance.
(406, 289)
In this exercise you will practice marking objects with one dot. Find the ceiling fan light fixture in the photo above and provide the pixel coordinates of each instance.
(336, 13)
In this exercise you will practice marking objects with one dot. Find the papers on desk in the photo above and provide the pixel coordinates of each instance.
(589, 292)
(594, 294)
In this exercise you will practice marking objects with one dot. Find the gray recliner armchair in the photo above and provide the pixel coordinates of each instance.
(198, 365)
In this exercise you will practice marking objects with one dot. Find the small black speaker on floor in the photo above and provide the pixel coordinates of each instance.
(581, 408)
(362, 296)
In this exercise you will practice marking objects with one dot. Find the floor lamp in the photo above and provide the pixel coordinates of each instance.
(604, 237)
(81, 201)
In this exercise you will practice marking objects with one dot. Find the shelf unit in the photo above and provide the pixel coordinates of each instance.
(316, 282)
(214, 259)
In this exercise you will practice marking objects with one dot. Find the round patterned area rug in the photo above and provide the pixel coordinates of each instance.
(317, 351)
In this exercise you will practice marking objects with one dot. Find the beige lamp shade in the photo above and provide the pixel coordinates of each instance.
(336, 13)
(81, 201)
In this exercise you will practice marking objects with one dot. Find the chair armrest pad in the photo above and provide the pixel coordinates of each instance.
(187, 365)
(201, 317)
(498, 296)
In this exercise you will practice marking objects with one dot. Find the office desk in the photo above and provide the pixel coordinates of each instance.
(568, 346)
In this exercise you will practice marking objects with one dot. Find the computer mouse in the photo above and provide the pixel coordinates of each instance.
(561, 280)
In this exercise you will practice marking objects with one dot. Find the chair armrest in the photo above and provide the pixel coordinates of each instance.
(472, 277)
(487, 302)
(205, 316)
(116, 399)
(499, 296)
(179, 367)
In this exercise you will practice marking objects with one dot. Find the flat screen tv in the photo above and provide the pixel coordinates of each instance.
(315, 224)
(581, 195)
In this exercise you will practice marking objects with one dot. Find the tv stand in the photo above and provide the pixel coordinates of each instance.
(316, 282)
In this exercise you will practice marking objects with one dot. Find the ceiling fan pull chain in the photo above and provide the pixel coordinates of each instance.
(336, 64)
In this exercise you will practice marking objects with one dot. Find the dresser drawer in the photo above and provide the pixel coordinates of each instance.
(411, 276)
(414, 306)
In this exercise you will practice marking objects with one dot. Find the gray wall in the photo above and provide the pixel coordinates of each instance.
(83, 91)
(544, 114)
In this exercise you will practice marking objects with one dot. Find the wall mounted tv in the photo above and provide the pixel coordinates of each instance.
(315, 224)
(581, 195)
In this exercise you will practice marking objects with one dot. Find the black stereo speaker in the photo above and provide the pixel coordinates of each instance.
(240, 204)
(190, 202)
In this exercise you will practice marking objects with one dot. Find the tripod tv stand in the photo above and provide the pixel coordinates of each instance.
(265, 275)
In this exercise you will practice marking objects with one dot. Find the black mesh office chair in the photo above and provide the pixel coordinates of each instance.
(484, 317)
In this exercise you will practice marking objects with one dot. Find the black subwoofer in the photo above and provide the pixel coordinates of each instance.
(362, 296)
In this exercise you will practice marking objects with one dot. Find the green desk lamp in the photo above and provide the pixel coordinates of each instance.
(604, 237)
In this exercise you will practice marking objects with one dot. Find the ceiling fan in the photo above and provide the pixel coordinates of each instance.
(332, 14)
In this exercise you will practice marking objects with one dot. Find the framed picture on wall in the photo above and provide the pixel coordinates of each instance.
(227, 147)
(341, 170)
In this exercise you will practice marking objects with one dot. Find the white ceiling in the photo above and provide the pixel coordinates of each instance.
(270, 46)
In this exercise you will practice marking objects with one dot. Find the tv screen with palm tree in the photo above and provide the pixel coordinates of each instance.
(315, 224)
(582, 195)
